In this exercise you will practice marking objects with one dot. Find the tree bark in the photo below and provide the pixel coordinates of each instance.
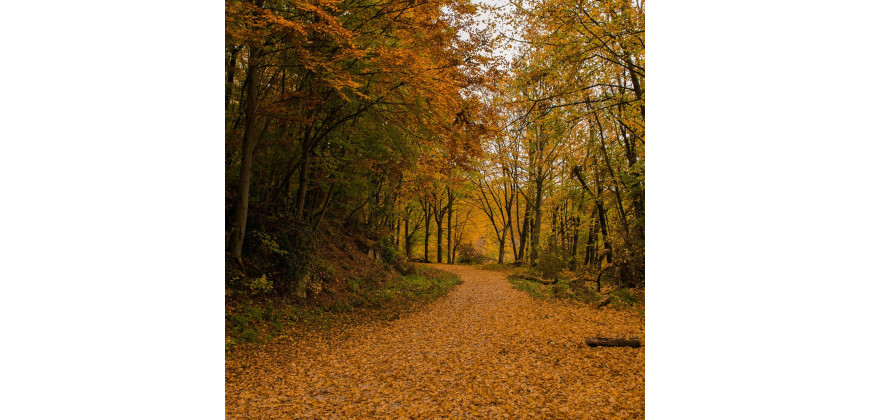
(231, 71)
(449, 226)
(407, 240)
(303, 174)
(612, 342)
(536, 227)
(427, 212)
(248, 143)
(524, 234)
(439, 233)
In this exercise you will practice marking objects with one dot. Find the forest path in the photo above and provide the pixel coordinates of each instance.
(485, 350)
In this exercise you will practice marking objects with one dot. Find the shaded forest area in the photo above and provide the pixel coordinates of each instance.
(442, 131)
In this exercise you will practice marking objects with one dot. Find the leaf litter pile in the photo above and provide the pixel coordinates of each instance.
(485, 350)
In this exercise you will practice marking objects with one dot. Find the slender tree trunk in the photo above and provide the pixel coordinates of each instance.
(427, 212)
(575, 239)
(602, 220)
(248, 143)
(231, 71)
(398, 232)
(536, 230)
(440, 230)
(591, 239)
(408, 239)
(303, 175)
(638, 90)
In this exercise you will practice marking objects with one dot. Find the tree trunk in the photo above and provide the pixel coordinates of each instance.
(398, 233)
(427, 212)
(602, 220)
(509, 225)
(408, 239)
(449, 226)
(303, 174)
(575, 239)
(501, 242)
(524, 234)
(241, 216)
(438, 240)
(536, 229)
(591, 240)
(231, 71)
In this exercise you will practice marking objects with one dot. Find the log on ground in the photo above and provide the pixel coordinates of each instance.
(612, 342)
(535, 279)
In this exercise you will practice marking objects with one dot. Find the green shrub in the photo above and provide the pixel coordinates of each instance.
(260, 285)
(584, 294)
(623, 298)
(388, 251)
(561, 290)
(355, 284)
(550, 263)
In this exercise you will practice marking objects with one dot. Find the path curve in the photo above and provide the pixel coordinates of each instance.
(486, 350)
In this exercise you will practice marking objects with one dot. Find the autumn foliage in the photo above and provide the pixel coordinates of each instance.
(367, 134)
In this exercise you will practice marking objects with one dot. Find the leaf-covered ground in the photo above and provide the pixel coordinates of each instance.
(485, 350)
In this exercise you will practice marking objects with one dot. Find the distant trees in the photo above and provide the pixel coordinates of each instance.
(570, 151)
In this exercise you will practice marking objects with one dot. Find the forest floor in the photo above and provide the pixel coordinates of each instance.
(485, 350)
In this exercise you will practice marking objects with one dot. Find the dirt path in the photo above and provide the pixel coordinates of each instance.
(485, 350)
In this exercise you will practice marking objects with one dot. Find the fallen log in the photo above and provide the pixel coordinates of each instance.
(535, 279)
(612, 342)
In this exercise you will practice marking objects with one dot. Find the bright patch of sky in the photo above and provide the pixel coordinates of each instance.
(487, 18)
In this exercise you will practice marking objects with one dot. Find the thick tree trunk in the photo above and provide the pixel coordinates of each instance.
(508, 225)
(248, 143)
(524, 234)
(449, 226)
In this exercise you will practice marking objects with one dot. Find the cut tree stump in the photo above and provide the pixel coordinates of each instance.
(612, 342)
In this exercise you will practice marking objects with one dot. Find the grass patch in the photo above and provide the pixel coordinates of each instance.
(258, 320)
(578, 292)
(535, 289)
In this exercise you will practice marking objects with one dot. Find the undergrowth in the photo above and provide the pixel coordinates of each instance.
(577, 291)
(494, 266)
(259, 320)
